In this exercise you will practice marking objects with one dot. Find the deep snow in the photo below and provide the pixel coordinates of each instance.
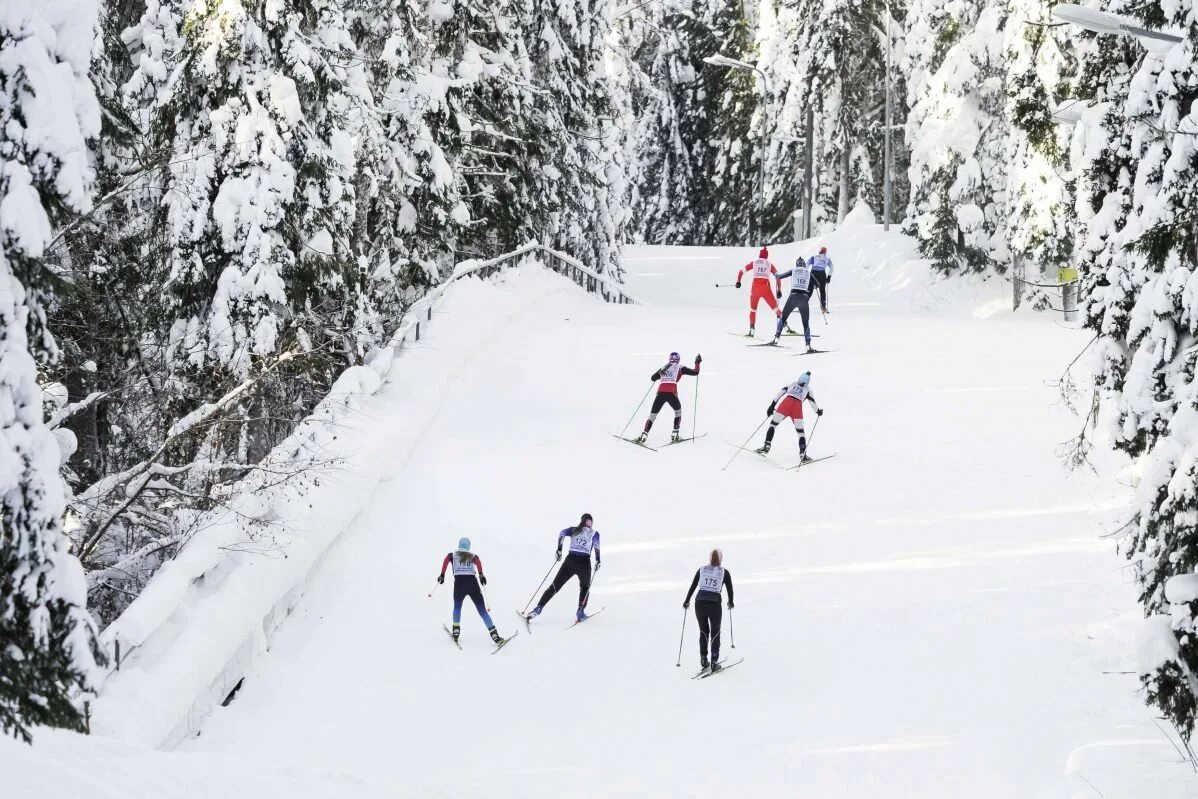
(935, 612)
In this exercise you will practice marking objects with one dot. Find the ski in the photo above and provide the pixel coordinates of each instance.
(812, 352)
(449, 632)
(723, 668)
(682, 440)
(769, 344)
(800, 335)
(744, 449)
(740, 335)
(813, 460)
(504, 642)
(588, 618)
(634, 442)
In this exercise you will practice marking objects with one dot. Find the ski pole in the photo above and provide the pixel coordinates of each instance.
(438, 585)
(486, 601)
(695, 415)
(681, 637)
(725, 285)
(814, 427)
(750, 438)
(731, 634)
(634, 413)
(546, 577)
(587, 595)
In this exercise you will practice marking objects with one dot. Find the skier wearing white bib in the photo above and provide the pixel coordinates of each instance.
(467, 574)
(710, 580)
(667, 393)
(584, 539)
(801, 286)
(788, 404)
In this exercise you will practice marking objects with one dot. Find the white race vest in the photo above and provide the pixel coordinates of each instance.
(670, 373)
(580, 542)
(711, 578)
(761, 268)
(798, 390)
(821, 262)
(462, 568)
(800, 278)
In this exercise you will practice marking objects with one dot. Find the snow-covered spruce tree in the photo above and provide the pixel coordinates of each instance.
(1142, 256)
(841, 57)
(48, 649)
(261, 206)
(720, 121)
(578, 187)
(1040, 72)
(655, 50)
(957, 131)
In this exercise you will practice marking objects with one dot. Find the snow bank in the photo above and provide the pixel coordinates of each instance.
(191, 636)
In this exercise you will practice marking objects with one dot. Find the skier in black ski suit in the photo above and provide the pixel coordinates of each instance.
(710, 580)
(583, 540)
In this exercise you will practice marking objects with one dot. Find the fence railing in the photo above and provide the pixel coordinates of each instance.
(122, 639)
(1067, 283)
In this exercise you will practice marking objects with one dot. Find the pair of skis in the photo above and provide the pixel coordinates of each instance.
(706, 672)
(638, 443)
(528, 621)
(807, 462)
(458, 644)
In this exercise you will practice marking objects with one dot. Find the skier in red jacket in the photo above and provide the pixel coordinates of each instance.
(762, 270)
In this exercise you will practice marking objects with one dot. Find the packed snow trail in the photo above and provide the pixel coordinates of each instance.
(929, 614)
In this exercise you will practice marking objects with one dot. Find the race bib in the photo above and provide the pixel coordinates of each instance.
(761, 268)
(711, 578)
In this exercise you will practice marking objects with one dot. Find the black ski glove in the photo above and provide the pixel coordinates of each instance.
(597, 565)
(738, 284)
(779, 293)
(698, 359)
(482, 578)
(829, 281)
(686, 604)
(559, 554)
(819, 411)
(731, 605)
(440, 579)
(770, 411)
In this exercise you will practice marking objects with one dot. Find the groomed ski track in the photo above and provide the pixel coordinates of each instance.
(933, 613)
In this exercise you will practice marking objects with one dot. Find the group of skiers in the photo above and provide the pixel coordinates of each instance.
(807, 276)
(468, 580)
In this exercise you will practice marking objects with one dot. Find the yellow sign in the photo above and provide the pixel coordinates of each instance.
(1067, 274)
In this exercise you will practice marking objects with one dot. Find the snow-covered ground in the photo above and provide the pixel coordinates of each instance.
(933, 613)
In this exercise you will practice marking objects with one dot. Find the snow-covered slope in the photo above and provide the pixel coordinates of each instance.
(932, 613)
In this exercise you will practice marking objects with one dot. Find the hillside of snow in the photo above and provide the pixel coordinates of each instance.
(935, 612)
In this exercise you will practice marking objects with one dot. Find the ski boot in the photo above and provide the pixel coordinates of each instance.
(750, 330)
(764, 449)
(804, 457)
(642, 437)
(495, 636)
(535, 612)
(457, 632)
(703, 662)
(674, 437)
(715, 667)
(777, 340)
(581, 615)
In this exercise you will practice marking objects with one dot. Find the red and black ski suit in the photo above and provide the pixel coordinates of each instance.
(667, 390)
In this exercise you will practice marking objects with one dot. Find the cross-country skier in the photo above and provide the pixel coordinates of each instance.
(821, 270)
(667, 393)
(800, 292)
(762, 269)
(467, 574)
(710, 580)
(584, 539)
(791, 407)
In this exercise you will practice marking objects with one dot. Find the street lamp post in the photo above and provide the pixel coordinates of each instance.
(720, 60)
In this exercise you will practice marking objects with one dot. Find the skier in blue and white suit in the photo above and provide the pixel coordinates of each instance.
(821, 271)
(584, 540)
(801, 286)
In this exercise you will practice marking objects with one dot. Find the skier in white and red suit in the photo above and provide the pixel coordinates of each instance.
(788, 404)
